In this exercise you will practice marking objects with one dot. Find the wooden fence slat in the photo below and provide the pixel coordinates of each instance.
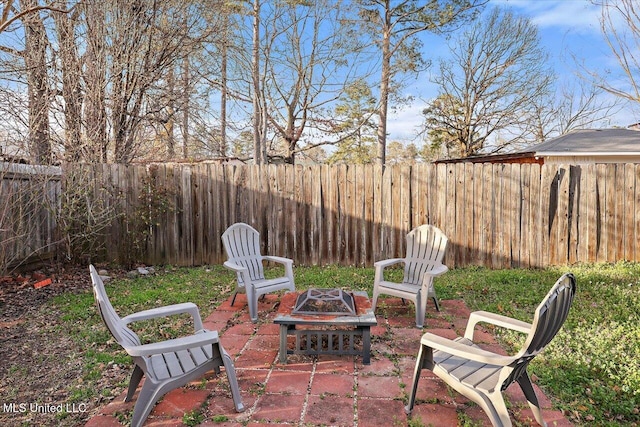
(589, 195)
(498, 220)
(562, 243)
(629, 211)
(535, 241)
(601, 213)
(515, 205)
(469, 204)
(619, 214)
(459, 212)
(548, 204)
(487, 243)
(610, 213)
(636, 227)
(525, 217)
(376, 235)
(386, 196)
(448, 213)
(360, 216)
(418, 196)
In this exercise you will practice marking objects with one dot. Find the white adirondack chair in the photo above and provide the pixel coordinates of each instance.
(423, 261)
(167, 364)
(481, 375)
(242, 245)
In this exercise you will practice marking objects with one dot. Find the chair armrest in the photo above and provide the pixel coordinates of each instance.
(177, 344)
(463, 350)
(236, 268)
(278, 259)
(438, 270)
(494, 319)
(379, 270)
(169, 310)
(388, 262)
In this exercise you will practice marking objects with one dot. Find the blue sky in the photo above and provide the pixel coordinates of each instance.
(568, 29)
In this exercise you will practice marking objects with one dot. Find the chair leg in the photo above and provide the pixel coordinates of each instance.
(431, 293)
(231, 377)
(374, 301)
(421, 309)
(527, 388)
(136, 376)
(416, 378)
(435, 301)
(252, 302)
(147, 398)
(498, 412)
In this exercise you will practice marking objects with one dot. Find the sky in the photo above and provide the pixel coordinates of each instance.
(567, 29)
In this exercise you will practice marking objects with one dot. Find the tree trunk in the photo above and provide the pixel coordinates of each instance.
(384, 90)
(171, 111)
(71, 86)
(222, 148)
(95, 81)
(186, 81)
(35, 58)
(255, 74)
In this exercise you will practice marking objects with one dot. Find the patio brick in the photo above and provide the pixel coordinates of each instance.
(382, 412)
(255, 359)
(380, 365)
(252, 380)
(435, 415)
(291, 382)
(330, 410)
(220, 316)
(233, 344)
(177, 402)
(264, 342)
(279, 408)
(238, 305)
(380, 387)
(269, 329)
(241, 329)
(103, 421)
(402, 322)
(335, 364)
(340, 385)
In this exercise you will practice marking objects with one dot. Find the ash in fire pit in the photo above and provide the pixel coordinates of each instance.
(325, 301)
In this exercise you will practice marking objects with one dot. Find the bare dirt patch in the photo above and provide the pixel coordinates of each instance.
(41, 365)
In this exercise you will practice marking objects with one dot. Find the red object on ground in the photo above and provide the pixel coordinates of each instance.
(42, 283)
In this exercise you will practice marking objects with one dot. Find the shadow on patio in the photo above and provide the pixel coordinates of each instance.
(326, 390)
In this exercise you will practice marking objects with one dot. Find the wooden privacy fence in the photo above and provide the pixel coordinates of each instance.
(28, 197)
(498, 215)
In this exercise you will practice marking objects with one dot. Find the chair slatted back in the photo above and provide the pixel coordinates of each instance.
(426, 245)
(242, 244)
(122, 334)
(547, 321)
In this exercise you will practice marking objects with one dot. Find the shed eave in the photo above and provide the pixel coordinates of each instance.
(586, 153)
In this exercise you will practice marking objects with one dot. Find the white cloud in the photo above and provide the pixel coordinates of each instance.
(576, 15)
(404, 125)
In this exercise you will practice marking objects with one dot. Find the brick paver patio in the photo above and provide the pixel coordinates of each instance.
(326, 390)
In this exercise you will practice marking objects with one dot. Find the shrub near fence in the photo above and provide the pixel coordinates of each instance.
(497, 215)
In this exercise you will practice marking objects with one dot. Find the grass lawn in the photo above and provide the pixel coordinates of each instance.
(591, 369)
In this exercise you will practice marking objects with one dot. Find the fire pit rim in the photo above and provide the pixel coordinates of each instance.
(325, 295)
